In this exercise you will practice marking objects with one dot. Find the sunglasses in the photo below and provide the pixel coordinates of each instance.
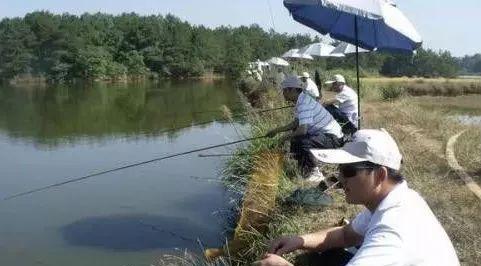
(350, 170)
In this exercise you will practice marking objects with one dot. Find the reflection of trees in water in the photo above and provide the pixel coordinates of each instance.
(66, 114)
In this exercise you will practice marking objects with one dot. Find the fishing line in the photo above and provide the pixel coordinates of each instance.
(73, 180)
(223, 119)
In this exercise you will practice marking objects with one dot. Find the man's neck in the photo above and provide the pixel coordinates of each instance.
(380, 196)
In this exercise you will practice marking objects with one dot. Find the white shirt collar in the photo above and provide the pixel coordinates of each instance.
(394, 198)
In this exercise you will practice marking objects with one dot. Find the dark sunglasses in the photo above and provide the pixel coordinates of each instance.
(350, 170)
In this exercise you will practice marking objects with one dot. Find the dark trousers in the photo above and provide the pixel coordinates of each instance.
(347, 126)
(301, 145)
(333, 257)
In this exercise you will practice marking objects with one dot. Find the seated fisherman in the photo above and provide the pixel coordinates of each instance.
(346, 111)
(313, 127)
(396, 228)
(309, 86)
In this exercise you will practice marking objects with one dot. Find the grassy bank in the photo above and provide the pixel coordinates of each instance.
(421, 128)
(419, 125)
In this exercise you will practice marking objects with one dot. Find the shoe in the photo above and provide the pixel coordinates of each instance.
(315, 176)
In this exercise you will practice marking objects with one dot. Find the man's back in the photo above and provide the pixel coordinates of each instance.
(402, 231)
(311, 113)
(347, 99)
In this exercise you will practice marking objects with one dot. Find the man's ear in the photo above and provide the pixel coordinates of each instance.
(380, 175)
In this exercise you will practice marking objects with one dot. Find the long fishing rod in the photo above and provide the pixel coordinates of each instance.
(127, 166)
(224, 119)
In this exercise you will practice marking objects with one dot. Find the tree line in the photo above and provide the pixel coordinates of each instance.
(102, 47)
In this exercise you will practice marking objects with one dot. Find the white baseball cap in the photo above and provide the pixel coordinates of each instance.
(337, 78)
(305, 75)
(372, 145)
(292, 82)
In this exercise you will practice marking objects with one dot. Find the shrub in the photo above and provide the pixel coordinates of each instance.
(391, 93)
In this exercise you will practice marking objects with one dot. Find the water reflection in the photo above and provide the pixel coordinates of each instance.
(67, 114)
(136, 232)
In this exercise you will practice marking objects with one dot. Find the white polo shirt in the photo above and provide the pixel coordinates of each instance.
(402, 231)
(347, 99)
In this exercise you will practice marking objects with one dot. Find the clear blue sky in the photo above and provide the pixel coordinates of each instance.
(447, 25)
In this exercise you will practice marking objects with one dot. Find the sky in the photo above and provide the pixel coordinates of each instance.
(448, 25)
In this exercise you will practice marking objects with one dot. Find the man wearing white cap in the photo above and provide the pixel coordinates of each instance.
(344, 108)
(313, 127)
(396, 228)
(309, 86)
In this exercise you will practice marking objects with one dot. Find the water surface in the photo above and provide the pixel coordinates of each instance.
(130, 217)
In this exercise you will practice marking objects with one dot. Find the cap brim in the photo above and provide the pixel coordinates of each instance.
(329, 82)
(335, 156)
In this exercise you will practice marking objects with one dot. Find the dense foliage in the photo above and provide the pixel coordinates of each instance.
(470, 64)
(101, 47)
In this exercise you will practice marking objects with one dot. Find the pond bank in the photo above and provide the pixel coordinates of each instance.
(425, 169)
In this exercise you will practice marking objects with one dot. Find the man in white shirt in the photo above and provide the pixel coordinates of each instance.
(344, 107)
(309, 86)
(313, 127)
(396, 228)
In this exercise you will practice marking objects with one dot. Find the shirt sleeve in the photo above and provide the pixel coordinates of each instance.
(382, 246)
(342, 97)
(361, 222)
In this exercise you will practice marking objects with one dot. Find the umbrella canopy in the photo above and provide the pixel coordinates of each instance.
(278, 61)
(379, 23)
(296, 54)
(290, 53)
(347, 48)
(319, 49)
(369, 24)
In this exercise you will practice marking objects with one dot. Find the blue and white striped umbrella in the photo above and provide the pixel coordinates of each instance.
(380, 24)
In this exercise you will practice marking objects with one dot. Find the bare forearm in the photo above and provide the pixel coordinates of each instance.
(336, 237)
(323, 240)
(329, 102)
(292, 125)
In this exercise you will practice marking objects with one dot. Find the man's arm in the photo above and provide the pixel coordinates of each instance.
(334, 237)
(291, 126)
(332, 101)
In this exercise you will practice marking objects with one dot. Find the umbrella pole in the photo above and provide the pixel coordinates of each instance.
(357, 74)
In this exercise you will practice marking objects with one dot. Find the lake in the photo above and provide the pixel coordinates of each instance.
(49, 134)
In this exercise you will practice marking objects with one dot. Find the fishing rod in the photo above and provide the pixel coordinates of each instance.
(73, 180)
(224, 119)
(204, 155)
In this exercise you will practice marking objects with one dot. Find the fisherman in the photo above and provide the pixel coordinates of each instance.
(309, 86)
(344, 107)
(396, 228)
(313, 127)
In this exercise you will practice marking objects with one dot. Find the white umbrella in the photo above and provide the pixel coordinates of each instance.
(278, 61)
(347, 48)
(319, 49)
(302, 56)
(290, 53)
(295, 54)
(261, 63)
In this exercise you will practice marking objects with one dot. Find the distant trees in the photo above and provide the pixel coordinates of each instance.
(470, 64)
(101, 46)
(425, 63)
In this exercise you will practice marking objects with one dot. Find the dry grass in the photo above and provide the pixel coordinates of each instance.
(420, 128)
(421, 86)
(427, 170)
(468, 153)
